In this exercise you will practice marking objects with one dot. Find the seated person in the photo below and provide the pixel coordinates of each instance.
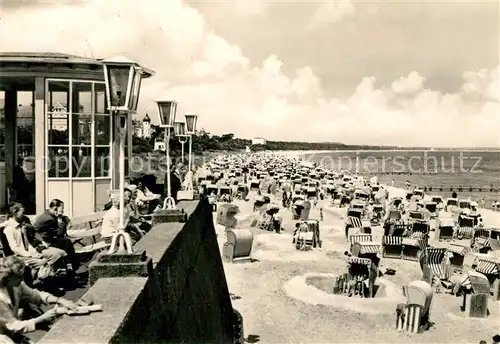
(64, 242)
(146, 198)
(136, 217)
(111, 220)
(42, 259)
(51, 232)
(13, 291)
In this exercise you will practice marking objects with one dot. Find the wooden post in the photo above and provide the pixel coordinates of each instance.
(40, 144)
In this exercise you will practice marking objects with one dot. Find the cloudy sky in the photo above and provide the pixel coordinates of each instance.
(367, 72)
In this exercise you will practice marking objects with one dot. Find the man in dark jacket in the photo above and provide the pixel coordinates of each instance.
(175, 181)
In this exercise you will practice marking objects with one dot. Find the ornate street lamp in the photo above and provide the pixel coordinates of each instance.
(191, 119)
(167, 111)
(123, 83)
(180, 132)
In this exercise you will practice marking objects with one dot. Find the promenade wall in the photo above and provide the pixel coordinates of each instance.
(184, 300)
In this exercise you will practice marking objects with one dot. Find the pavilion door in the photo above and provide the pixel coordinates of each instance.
(17, 162)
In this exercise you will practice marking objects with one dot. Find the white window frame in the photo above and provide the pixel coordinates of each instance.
(70, 144)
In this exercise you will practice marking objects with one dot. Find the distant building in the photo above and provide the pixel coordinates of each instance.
(58, 117)
(143, 128)
(160, 146)
(259, 141)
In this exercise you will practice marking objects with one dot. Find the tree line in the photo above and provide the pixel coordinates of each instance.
(206, 142)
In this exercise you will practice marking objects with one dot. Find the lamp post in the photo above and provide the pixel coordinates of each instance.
(191, 120)
(123, 84)
(167, 111)
(180, 132)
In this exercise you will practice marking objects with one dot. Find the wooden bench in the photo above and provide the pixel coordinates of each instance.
(87, 227)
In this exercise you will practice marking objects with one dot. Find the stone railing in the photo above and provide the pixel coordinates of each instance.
(184, 298)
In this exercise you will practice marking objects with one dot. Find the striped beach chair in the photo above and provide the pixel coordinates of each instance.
(465, 232)
(476, 290)
(466, 225)
(414, 315)
(359, 238)
(392, 241)
(420, 227)
(392, 246)
(433, 264)
(480, 241)
(305, 237)
(358, 269)
(355, 223)
(489, 267)
(413, 245)
(445, 229)
(457, 253)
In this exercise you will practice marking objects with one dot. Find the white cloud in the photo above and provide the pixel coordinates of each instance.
(410, 84)
(331, 12)
(212, 77)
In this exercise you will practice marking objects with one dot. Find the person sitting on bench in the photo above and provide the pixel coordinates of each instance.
(111, 220)
(135, 214)
(146, 198)
(13, 290)
(41, 259)
(50, 229)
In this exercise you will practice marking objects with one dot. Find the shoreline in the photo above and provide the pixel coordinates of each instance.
(451, 150)
(491, 217)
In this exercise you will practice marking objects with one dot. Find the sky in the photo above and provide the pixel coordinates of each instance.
(410, 73)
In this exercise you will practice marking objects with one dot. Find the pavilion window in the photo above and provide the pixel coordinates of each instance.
(58, 129)
(78, 126)
(25, 124)
(81, 129)
(102, 133)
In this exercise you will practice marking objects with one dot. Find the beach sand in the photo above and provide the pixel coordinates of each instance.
(281, 303)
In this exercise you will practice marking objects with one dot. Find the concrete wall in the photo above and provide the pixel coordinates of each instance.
(185, 300)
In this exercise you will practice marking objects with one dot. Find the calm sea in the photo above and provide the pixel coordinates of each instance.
(471, 174)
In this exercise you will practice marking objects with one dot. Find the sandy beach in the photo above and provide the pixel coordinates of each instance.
(286, 296)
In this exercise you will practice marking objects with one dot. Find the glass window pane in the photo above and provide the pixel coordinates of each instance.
(58, 162)
(57, 124)
(57, 118)
(82, 129)
(82, 162)
(100, 98)
(102, 164)
(25, 117)
(58, 96)
(82, 97)
(25, 150)
(102, 130)
(2, 153)
(25, 131)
